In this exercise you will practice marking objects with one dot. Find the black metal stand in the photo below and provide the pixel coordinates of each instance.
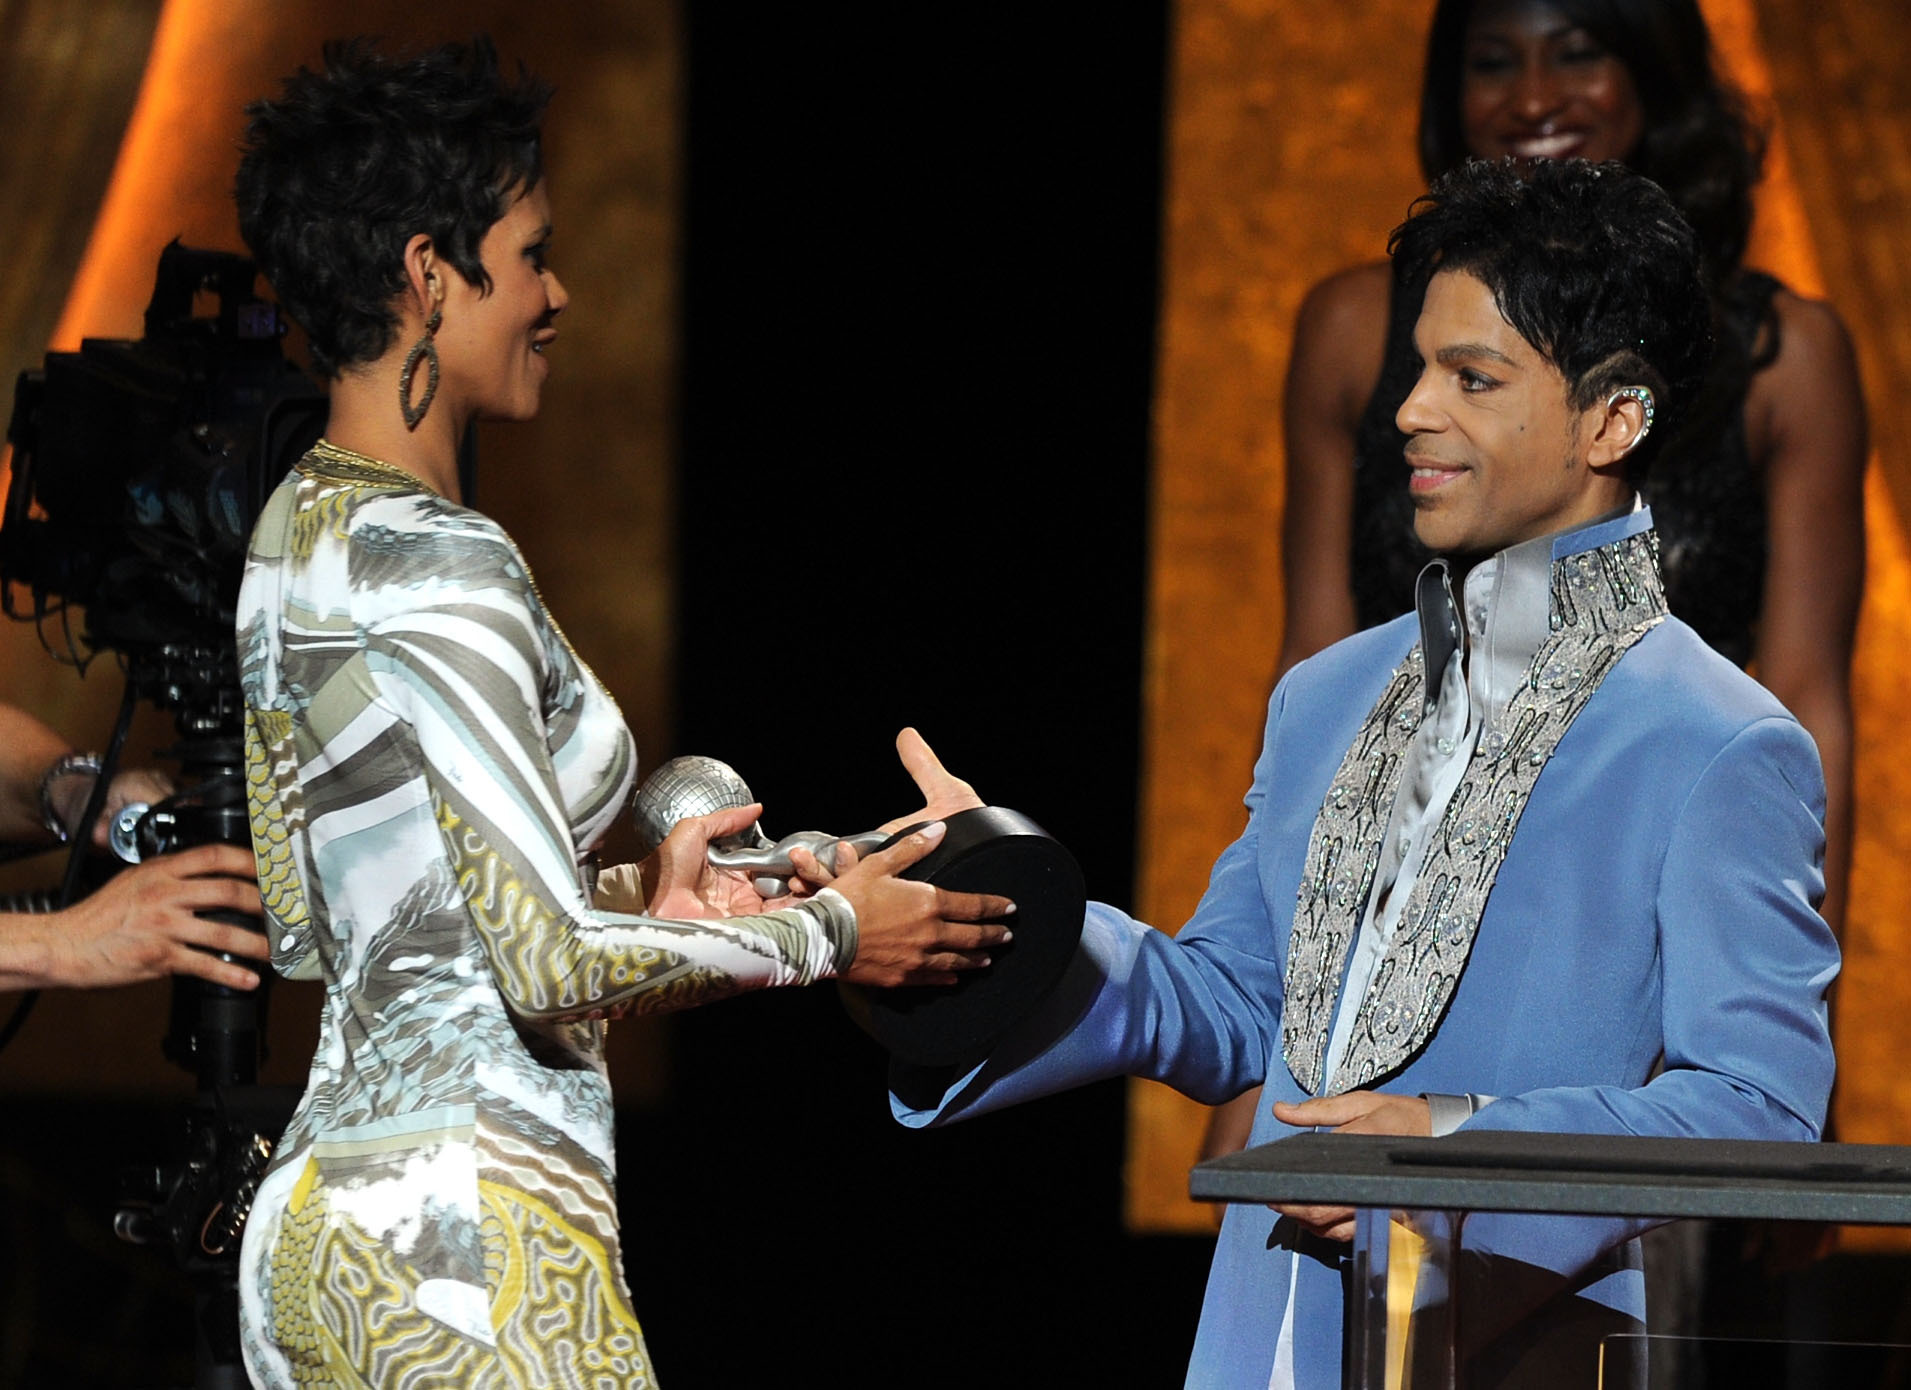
(198, 1205)
(1414, 1197)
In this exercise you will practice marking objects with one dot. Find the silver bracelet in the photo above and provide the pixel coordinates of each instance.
(65, 767)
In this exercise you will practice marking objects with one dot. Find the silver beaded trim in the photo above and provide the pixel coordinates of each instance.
(1603, 600)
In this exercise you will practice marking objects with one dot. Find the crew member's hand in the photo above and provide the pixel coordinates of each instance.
(943, 793)
(68, 797)
(138, 784)
(141, 925)
(910, 933)
(1356, 1112)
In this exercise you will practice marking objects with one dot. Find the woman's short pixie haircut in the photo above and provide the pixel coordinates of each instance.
(1590, 263)
(352, 161)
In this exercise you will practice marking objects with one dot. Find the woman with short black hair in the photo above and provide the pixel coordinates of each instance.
(427, 757)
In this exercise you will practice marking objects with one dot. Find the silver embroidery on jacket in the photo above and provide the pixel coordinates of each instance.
(1603, 600)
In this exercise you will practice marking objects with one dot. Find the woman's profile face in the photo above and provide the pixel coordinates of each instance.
(491, 345)
(1533, 85)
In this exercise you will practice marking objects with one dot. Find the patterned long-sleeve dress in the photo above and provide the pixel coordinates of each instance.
(425, 755)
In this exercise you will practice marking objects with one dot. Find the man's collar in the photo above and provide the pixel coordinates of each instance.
(1628, 521)
(1510, 597)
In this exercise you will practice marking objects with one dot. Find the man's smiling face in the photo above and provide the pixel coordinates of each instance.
(1497, 451)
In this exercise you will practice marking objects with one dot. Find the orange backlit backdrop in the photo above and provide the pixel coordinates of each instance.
(1290, 143)
(1290, 155)
(586, 486)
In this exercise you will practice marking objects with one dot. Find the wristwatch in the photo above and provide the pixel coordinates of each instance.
(68, 766)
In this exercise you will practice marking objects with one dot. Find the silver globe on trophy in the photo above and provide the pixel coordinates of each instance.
(698, 786)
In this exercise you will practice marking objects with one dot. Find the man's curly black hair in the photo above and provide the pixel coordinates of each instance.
(1590, 263)
(352, 161)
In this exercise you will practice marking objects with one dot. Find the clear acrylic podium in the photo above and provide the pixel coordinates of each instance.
(1408, 1303)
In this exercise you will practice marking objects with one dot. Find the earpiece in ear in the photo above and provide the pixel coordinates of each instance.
(1641, 394)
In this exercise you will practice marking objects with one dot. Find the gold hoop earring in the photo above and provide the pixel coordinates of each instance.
(428, 350)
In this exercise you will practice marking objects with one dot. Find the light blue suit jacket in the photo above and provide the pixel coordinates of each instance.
(1657, 899)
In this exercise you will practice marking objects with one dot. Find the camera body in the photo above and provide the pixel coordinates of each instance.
(139, 468)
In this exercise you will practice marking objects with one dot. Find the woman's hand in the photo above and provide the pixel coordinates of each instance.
(943, 793)
(681, 883)
(910, 933)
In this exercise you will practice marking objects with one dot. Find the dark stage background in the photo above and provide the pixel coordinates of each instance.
(919, 307)
(915, 346)
(917, 322)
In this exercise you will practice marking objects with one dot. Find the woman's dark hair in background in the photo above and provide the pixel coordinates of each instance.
(352, 161)
(1590, 263)
(1700, 144)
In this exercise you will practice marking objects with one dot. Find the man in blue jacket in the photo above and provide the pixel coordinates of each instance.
(1510, 852)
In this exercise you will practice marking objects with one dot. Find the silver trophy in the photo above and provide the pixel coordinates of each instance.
(698, 786)
(986, 849)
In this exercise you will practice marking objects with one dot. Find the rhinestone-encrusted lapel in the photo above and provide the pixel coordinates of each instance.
(1603, 599)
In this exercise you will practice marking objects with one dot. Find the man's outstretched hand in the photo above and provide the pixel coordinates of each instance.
(943, 793)
(910, 933)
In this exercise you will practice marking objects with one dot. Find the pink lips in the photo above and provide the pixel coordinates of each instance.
(1429, 474)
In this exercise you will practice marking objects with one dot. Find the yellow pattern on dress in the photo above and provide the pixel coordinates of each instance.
(555, 1290)
(523, 926)
(268, 734)
(344, 1306)
(326, 514)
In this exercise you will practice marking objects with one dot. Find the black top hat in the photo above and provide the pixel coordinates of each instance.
(990, 849)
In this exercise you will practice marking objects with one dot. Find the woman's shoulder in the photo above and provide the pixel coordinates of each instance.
(1806, 334)
(407, 539)
(1340, 337)
(1811, 332)
(1352, 299)
(419, 510)
(1813, 369)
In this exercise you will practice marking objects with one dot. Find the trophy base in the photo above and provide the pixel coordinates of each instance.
(990, 849)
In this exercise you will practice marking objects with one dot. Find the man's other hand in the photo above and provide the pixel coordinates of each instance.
(1356, 1112)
